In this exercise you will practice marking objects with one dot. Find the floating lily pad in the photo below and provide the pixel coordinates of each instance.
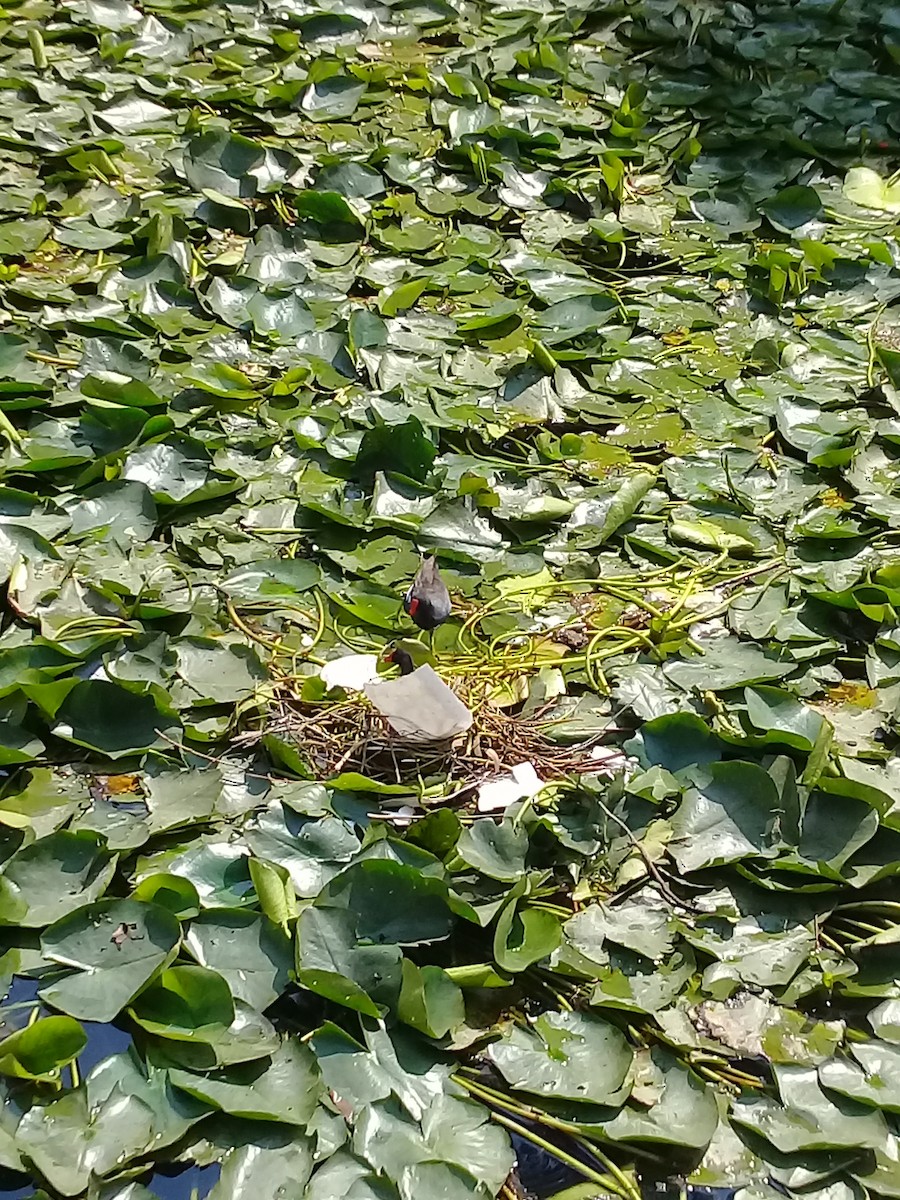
(604, 312)
(568, 1056)
(116, 947)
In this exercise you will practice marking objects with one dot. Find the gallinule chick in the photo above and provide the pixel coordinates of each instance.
(402, 658)
(427, 601)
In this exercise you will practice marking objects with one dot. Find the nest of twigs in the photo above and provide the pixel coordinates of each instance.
(343, 736)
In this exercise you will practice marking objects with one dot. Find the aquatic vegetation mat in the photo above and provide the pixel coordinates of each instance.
(598, 303)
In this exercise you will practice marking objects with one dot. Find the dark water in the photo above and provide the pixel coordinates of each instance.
(539, 1172)
(185, 1184)
(102, 1041)
(20, 1000)
(12, 1192)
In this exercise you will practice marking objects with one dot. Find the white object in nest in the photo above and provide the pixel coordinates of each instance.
(420, 706)
(610, 759)
(351, 672)
(520, 784)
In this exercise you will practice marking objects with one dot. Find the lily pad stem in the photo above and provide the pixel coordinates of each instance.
(604, 1181)
(652, 869)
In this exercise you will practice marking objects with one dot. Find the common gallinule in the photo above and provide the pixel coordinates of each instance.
(427, 601)
(402, 658)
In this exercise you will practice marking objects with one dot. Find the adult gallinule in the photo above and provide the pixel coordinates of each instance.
(427, 601)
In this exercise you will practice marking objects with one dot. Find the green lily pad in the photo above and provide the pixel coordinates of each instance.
(792, 207)
(636, 926)
(568, 1056)
(730, 817)
(115, 948)
(496, 850)
(808, 1119)
(185, 1000)
(871, 1079)
(864, 186)
(40, 1050)
(113, 1118)
(250, 953)
(48, 879)
(276, 580)
(283, 1088)
(110, 720)
(429, 1000)
(685, 1113)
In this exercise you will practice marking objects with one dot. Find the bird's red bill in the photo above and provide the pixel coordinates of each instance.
(413, 605)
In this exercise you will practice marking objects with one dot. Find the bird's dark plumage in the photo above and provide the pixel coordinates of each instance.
(402, 658)
(428, 601)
